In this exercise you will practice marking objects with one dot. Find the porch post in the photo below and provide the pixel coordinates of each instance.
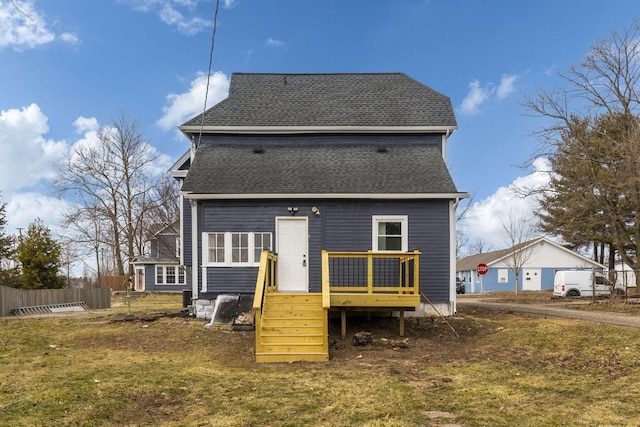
(343, 317)
(370, 271)
(416, 272)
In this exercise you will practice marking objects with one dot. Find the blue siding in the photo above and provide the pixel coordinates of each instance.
(150, 281)
(489, 282)
(343, 225)
(186, 232)
(164, 246)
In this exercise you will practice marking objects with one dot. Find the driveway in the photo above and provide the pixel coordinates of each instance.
(566, 311)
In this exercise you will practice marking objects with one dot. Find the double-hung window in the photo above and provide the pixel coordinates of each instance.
(215, 248)
(169, 275)
(390, 233)
(234, 249)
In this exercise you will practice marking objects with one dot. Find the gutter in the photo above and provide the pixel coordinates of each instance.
(390, 196)
(190, 130)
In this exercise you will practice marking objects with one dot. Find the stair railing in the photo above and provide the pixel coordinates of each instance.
(371, 272)
(266, 283)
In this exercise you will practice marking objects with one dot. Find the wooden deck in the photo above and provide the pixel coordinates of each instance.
(294, 326)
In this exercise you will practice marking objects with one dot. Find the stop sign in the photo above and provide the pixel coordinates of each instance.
(482, 269)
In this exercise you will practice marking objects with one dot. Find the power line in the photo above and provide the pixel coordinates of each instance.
(206, 94)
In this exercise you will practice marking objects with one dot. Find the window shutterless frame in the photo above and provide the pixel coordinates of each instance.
(234, 249)
(169, 275)
(389, 233)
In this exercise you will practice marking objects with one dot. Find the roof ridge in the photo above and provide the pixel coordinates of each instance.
(324, 74)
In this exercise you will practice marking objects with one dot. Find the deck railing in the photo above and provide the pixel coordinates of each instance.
(371, 272)
(266, 283)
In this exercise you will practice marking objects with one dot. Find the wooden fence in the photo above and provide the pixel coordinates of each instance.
(11, 298)
(115, 283)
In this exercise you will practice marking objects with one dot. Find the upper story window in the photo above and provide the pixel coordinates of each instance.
(390, 233)
(234, 248)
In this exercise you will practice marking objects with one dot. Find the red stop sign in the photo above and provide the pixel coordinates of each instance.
(482, 269)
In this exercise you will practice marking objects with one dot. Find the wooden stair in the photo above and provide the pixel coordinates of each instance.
(293, 328)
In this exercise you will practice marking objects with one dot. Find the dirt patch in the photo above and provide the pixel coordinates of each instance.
(426, 340)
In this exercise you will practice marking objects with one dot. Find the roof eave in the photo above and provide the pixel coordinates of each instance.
(383, 196)
(175, 170)
(187, 130)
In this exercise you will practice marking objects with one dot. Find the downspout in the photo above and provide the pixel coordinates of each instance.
(194, 249)
(453, 256)
(445, 137)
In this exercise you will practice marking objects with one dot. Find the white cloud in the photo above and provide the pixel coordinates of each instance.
(22, 26)
(479, 95)
(24, 208)
(176, 13)
(485, 219)
(181, 107)
(26, 156)
(506, 86)
(273, 42)
(86, 124)
(69, 38)
(189, 26)
(475, 98)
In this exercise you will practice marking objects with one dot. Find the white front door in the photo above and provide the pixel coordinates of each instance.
(291, 246)
(531, 280)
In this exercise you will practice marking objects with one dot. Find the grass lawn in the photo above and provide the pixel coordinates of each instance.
(505, 369)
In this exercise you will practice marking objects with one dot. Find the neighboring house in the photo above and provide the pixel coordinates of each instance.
(542, 258)
(301, 163)
(161, 269)
(625, 276)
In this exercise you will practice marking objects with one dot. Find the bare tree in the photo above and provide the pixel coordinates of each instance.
(88, 229)
(518, 229)
(462, 210)
(114, 183)
(593, 128)
(479, 246)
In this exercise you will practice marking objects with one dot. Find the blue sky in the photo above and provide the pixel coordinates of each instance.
(70, 66)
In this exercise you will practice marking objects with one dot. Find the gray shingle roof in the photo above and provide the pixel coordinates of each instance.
(299, 169)
(325, 100)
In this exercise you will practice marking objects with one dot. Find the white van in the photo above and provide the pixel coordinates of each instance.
(580, 283)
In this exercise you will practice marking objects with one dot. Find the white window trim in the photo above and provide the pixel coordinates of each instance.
(228, 249)
(404, 224)
(164, 275)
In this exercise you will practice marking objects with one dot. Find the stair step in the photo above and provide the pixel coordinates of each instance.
(305, 305)
(292, 357)
(293, 314)
(298, 298)
(292, 328)
(291, 348)
(291, 339)
(288, 329)
(268, 322)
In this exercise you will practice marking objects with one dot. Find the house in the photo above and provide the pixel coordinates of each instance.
(160, 269)
(341, 178)
(625, 277)
(539, 258)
